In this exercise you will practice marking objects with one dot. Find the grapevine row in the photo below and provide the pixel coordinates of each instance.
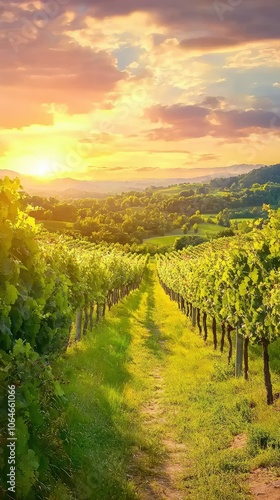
(235, 282)
(45, 283)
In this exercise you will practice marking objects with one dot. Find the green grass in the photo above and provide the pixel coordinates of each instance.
(105, 391)
(56, 226)
(209, 228)
(145, 351)
(174, 189)
(163, 240)
(214, 218)
(203, 229)
(243, 219)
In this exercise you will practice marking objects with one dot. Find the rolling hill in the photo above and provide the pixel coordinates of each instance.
(80, 188)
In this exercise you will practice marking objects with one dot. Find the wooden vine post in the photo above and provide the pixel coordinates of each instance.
(194, 316)
(239, 354)
(198, 321)
(223, 336)
(204, 322)
(229, 330)
(91, 311)
(246, 358)
(267, 376)
(79, 321)
(214, 330)
(86, 322)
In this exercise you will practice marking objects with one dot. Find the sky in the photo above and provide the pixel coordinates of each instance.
(130, 89)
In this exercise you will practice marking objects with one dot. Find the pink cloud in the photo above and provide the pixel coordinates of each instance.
(218, 23)
(225, 23)
(54, 71)
(182, 122)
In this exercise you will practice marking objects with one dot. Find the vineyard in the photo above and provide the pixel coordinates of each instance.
(235, 282)
(55, 293)
(47, 286)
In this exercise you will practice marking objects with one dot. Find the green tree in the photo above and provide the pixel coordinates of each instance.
(223, 218)
(186, 227)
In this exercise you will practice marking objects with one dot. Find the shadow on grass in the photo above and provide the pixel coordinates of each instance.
(155, 341)
(103, 429)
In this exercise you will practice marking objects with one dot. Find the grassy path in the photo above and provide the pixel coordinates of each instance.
(155, 414)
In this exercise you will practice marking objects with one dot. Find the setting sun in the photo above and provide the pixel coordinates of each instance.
(42, 168)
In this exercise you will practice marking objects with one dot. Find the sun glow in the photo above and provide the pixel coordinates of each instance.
(42, 168)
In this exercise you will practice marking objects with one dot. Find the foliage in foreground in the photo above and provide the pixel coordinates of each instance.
(40, 428)
(43, 284)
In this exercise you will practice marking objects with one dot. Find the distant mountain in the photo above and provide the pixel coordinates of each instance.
(9, 173)
(75, 188)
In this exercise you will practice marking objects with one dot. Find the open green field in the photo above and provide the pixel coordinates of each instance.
(155, 413)
(174, 189)
(169, 239)
(177, 189)
(163, 240)
(209, 228)
(243, 219)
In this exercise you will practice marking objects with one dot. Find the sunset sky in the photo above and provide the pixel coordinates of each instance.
(127, 89)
